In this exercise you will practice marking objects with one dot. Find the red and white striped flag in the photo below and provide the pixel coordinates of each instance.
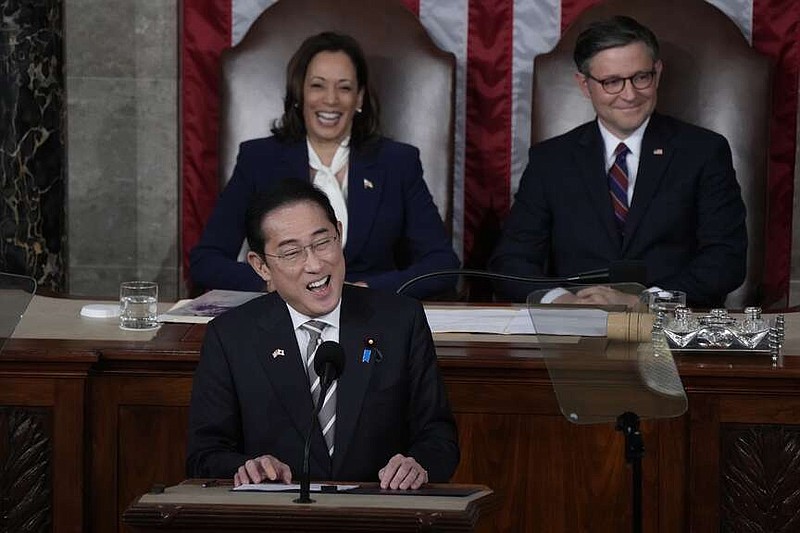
(494, 42)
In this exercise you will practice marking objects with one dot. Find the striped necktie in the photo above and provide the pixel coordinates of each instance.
(327, 413)
(618, 185)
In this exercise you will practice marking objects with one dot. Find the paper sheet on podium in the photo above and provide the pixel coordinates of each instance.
(293, 487)
(579, 321)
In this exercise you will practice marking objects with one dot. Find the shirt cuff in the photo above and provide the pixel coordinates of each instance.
(553, 294)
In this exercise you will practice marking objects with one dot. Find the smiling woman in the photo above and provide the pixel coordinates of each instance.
(329, 134)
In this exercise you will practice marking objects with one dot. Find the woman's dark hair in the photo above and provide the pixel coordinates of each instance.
(611, 33)
(286, 192)
(291, 127)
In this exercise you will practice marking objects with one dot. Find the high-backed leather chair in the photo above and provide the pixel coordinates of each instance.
(711, 78)
(412, 78)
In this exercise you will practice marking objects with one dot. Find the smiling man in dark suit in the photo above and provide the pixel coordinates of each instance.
(251, 407)
(630, 185)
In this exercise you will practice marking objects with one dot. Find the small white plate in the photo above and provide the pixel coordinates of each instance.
(100, 310)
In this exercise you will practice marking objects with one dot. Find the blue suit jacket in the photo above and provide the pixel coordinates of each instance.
(247, 401)
(686, 220)
(388, 205)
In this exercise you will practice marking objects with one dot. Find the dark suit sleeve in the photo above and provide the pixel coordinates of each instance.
(213, 261)
(434, 438)
(720, 258)
(430, 247)
(525, 241)
(215, 426)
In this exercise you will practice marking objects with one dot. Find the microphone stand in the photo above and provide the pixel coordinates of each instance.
(305, 475)
(628, 424)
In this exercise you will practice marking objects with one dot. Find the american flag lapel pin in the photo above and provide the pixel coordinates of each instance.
(277, 353)
(658, 151)
(368, 184)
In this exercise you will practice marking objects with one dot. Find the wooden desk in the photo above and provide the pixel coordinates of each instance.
(191, 507)
(107, 419)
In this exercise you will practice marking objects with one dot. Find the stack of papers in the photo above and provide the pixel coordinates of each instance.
(498, 320)
(204, 308)
(555, 320)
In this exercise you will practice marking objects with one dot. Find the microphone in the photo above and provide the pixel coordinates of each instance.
(618, 272)
(329, 365)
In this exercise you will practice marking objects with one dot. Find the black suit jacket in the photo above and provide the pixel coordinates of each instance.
(251, 394)
(686, 220)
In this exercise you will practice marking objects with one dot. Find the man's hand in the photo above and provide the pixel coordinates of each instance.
(603, 295)
(567, 298)
(263, 468)
(402, 473)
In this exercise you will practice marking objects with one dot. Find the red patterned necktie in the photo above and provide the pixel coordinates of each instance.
(618, 184)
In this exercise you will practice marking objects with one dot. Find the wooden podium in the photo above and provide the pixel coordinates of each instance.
(195, 506)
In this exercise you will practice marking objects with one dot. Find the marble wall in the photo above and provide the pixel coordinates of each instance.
(32, 178)
(122, 108)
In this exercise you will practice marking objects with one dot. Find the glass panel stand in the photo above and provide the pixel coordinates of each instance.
(613, 382)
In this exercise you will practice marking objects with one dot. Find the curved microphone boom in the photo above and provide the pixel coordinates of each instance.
(618, 271)
(329, 365)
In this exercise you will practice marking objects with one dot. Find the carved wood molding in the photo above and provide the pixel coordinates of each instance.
(25, 469)
(760, 478)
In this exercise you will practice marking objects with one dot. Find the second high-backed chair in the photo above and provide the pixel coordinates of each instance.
(711, 78)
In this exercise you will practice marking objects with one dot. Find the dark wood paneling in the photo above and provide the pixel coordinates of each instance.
(760, 479)
(673, 474)
(703, 463)
(488, 444)
(152, 449)
(118, 414)
(139, 428)
(26, 464)
(62, 399)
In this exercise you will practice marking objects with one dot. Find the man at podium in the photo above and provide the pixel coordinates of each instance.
(386, 418)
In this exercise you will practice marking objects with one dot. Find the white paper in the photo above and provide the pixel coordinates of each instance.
(498, 320)
(282, 487)
(582, 321)
(204, 308)
(514, 320)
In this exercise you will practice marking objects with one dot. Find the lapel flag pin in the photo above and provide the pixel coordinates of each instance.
(658, 151)
(368, 184)
(369, 344)
(277, 353)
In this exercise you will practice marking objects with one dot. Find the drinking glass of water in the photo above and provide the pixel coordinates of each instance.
(138, 305)
(666, 301)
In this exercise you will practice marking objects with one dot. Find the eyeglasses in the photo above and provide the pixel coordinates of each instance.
(640, 81)
(294, 256)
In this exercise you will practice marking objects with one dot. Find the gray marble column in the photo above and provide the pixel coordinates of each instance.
(32, 207)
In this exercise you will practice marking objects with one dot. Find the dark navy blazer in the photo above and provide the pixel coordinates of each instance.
(251, 397)
(389, 208)
(686, 220)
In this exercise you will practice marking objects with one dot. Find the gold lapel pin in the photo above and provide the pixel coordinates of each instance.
(368, 184)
